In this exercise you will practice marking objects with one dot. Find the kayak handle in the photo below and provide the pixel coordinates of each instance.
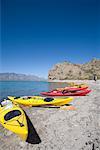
(21, 124)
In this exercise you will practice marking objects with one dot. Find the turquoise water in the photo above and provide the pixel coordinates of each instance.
(23, 88)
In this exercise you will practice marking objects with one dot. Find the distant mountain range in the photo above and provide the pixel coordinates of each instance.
(19, 77)
(67, 71)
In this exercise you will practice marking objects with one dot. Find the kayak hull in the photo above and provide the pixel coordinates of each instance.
(71, 89)
(39, 101)
(14, 122)
(76, 93)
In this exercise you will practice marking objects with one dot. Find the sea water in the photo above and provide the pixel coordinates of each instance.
(26, 88)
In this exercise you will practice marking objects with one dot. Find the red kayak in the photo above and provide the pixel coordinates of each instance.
(67, 93)
(70, 89)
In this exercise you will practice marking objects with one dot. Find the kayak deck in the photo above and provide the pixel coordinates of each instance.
(38, 100)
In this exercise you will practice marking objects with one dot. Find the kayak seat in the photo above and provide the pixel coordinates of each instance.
(12, 114)
(29, 97)
(65, 91)
(48, 99)
(16, 97)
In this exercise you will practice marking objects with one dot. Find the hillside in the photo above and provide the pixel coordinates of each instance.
(19, 77)
(67, 70)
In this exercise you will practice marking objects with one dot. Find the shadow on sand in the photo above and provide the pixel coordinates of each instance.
(33, 137)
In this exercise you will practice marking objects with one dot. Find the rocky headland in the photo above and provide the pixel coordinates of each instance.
(70, 71)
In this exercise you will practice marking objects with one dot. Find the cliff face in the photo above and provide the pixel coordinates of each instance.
(66, 70)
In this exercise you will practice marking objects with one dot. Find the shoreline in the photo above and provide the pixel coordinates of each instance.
(62, 129)
(68, 81)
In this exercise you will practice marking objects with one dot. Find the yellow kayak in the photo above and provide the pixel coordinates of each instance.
(81, 85)
(13, 118)
(39, 101)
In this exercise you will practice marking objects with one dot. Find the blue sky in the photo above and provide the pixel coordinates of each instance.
(36, 34)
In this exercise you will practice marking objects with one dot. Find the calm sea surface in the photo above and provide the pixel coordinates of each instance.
(23, 88)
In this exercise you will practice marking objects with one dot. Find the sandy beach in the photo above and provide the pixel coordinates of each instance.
(62, 129)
